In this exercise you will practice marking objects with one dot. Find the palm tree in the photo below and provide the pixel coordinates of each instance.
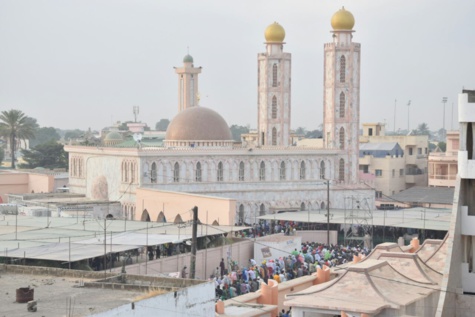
(15, 125)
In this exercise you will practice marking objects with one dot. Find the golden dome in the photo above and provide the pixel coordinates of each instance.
(274, 33)
(343, 20)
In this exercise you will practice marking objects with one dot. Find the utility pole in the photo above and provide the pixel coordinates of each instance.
(444, 101)
(408, 105)
(394, 126)
(193, 243)
(328, 212)
(105, 247)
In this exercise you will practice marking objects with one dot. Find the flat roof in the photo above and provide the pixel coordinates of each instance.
(74, 239)
(414, 218)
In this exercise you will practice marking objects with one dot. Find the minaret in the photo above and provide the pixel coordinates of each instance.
(341, 109)
(187, 84)
(273, 89)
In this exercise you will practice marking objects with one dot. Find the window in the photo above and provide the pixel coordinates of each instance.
(153, 173)
(302, 170)
(394, 172)
(401, 172)
(262, 172)
(282, 171)
(342, 68)
(262, 210)
(342, 105)
(274, 75)
(370, 130)
(379, 173)
(241, 214)
(342, 138)
(176, 173)
(322, 170)
(198, 172)
(341, 170)
(219, 176)
(126, 172)
(302, 206)
(425, 151)
(241, 171)
(274, 107)
(410, 151)
(274, 136)
(419, 151)
(132, 172)
(322, 205)
(379, 194)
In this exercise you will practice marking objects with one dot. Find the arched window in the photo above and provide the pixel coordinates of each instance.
(126, 172)
(282, 171)
(342, 68)
(176, 173)
(79, 167)
(262, 210)
(274, 75)
(342, 138)
(198, 172)
(322, 170)
(274, 107)
(132, 172)
(341, 170)
(241, 214)
(322, 205)
(342, 104)
(219, 175)
(241, 171)
(153, 173)
(302, 206)
(262, 171)
(302, 170)
(274, 136)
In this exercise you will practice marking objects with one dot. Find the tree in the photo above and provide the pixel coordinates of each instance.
(422, 129)
(48, 155)
(162, 125)
(442, 146)
(44, 135)
(16, 126)
(237, 130)
(314, 134)
(73, 134)
(2, 155)
(301, 130)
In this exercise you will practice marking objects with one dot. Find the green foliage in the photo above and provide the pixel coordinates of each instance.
(48, 155)
(16, 126)
(2, 155)
(73, 134)
(162, 125)
(422, 129)
(314, 134)
(237, 130)
(301, 130)
(44, 135)
(442, 146)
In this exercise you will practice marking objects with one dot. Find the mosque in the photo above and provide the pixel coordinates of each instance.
(267, 172)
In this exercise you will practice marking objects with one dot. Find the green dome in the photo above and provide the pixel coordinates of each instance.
(188, 59)
(113, 136)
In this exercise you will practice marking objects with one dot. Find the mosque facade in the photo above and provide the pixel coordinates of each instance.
(266, 175)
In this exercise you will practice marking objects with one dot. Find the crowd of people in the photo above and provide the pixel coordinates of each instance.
(247, 278)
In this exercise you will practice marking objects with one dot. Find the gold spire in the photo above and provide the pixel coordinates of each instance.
(274, 33)
(343, 20)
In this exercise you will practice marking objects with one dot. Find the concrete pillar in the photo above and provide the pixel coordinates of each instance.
(220, 307)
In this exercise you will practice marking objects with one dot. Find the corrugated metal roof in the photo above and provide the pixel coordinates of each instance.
(418, 194)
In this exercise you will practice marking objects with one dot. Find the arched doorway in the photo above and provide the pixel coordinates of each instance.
(161, 217)
(145, 216)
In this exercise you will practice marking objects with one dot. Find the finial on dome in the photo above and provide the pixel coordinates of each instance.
(343, 20)
(274, 33)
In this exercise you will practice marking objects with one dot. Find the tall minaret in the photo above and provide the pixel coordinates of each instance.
(273, 89)
(187, 84)
(341, 109)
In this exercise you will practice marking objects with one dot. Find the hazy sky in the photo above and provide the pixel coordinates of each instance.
(80, 64)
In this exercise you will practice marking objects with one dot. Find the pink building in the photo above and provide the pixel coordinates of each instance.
(443, 166)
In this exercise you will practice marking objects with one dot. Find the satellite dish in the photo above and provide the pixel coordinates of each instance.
(137, 137)
(188, 242)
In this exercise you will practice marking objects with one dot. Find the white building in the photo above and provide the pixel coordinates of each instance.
(263, 175)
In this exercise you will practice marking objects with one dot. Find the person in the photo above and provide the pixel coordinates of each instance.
(157, 252)
(183, 272)
(221, 265)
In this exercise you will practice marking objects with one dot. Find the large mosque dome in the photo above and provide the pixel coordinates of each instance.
(198, 126)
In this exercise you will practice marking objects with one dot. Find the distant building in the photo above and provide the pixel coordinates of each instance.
(395, 167)
(443, 166)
